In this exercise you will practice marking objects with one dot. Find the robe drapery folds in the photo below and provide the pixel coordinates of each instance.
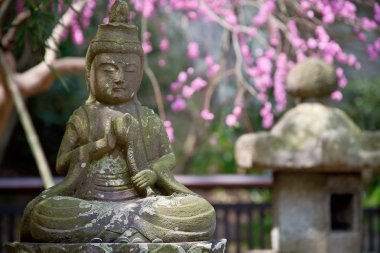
(97, 198)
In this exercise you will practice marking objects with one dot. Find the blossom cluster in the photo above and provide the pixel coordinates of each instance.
(271, 36)
(287, 40)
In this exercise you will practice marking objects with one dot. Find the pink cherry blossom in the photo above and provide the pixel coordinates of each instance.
(192, 15)
(175, 86)
(368, 24)
(190, 71)
(230, 17)
(193, 50)
(264, 65)
(179, 104)
(377, 44)
(310, 14)
(20, 6)
(207, 115)
(169, 130)
(147, 47)
(187, 91)
(268, 121)
(88, 13)
(213, 70)
(77, 33)
(312, 43)
(305, 5)
(209, 60)
(376, 9)
(362, 37)
(231, 120)
(237, 111)
(161, 63)
(60, 6)
(164, 45)
(371, 52)
(329, 18)
(198, 84)
(170, 98)
(337, 95)
(213, 139)
(182, 77)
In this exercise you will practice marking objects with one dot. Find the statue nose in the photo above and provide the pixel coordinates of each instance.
(119, 78)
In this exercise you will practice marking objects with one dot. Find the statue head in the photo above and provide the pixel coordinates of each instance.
(114, 60)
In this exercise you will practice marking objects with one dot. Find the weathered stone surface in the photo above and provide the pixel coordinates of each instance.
(311, 136)
(311, 78)
(317, 153)
(217, 246)
(302, 213)
(117, 162)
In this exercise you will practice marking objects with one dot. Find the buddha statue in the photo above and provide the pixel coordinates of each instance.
(117, 161)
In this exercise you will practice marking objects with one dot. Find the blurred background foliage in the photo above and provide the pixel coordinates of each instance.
(214, 153)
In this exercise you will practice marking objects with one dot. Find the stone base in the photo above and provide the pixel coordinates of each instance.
(215, 246)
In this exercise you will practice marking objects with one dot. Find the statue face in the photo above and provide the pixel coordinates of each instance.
(115, 77)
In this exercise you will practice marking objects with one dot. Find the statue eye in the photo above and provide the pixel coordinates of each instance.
(108, 68)
(131, 68)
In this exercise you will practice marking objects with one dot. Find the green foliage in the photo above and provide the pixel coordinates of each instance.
(362, 103)
(43, 17)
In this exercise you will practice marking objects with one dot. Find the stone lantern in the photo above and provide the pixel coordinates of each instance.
(317, 154)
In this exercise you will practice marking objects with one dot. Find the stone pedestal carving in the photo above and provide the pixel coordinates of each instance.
(189, 247)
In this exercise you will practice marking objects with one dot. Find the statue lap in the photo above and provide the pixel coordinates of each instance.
(119, 193)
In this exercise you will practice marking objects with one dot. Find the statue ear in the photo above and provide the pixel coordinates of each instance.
(90, 79)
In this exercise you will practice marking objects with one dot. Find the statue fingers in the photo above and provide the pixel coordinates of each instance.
(142, 183)
(121, 131)
(137, 176)
(140, 179)
(141, 186)
(141, 174)
(128, 119)
(109, 134)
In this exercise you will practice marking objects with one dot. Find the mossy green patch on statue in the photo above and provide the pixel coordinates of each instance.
(117, 162)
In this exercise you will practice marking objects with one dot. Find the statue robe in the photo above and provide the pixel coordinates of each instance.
(97, 198)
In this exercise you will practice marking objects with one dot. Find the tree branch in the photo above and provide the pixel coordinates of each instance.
(40, 77)
(8, 38)
(152, 77)
(56, 36)
(3, 8)
(26, 123)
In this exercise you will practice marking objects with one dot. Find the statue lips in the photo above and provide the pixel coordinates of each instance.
(116, 89)
(121, 88)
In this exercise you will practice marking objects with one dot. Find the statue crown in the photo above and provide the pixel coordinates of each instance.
(119, 12)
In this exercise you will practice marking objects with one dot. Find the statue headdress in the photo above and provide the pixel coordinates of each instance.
(119, 35)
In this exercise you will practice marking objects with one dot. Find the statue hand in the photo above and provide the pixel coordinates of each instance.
(109, 135)
(144, 178)
(125, 126)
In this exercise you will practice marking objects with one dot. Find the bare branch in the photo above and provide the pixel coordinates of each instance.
(222, 22)
(3, 8)
(26, 121)
(8, 38)
(40, 77)
(227, 26)
(56, 35)
(239, 66)
(152, 77)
